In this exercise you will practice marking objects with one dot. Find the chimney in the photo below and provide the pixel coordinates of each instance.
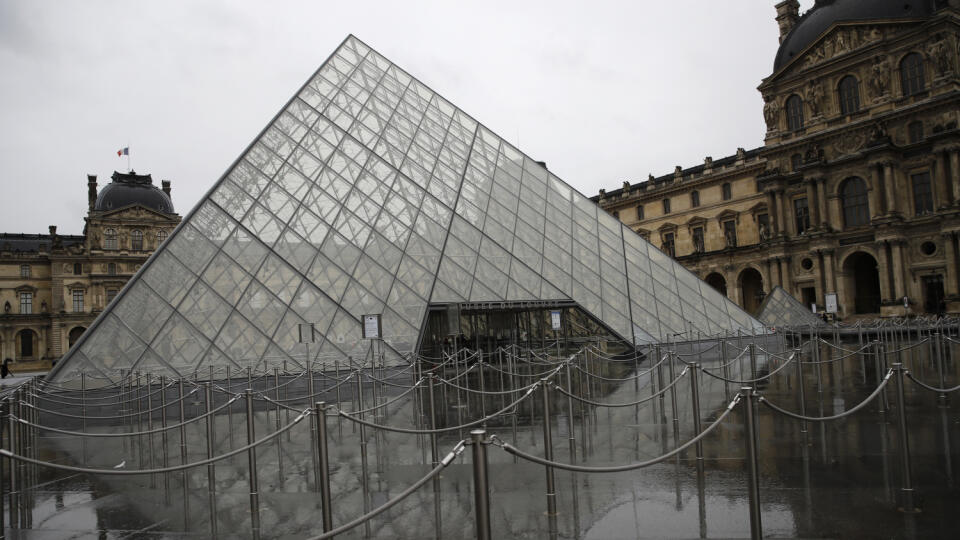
(53, 230)
(166, 186)
(788, 12)
(91, 190)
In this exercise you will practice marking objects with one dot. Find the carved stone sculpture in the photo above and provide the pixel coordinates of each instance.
(814, 98)
(940, 54)
(879, 77)
(771, 113)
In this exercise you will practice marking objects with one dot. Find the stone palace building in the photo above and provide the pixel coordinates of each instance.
(855, 194)
(53, 286)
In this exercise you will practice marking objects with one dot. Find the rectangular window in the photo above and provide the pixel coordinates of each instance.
(922, 193)
(26, 303)
(77, 301)
(801, 212)
(24, 270)
(640, 212)
(666, 206)
(668, 245)
(698, 245)
(726, 192)
(730, 233)
(111, 294)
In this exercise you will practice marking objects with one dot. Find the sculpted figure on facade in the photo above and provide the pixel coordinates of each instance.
(879, 77)
(814, 98)
(942, 59)
(771, 112)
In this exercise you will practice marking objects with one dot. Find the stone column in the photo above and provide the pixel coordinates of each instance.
(812, 201)
(824, 220)
(955, 174)
(889, 188)
(774, 214)
(898, 283)
(876, 180)
(782, 216)
(941, 186)
(788, 216)
(830, 269)
(785, 272)
(883, 266)
(950, 286)
(768, 275)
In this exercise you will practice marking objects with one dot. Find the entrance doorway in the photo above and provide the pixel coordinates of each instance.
(933, 294)
(751, 290)
(716, 281)
(863, 279)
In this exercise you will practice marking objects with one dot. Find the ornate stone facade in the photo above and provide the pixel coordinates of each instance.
(53, 286)
(856, 191)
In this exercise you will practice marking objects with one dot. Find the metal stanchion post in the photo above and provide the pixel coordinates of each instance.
(938, 343)
(364, 470)
(881, 369)
(164, 439)
(801, 394)
(571, 434)
(183, 456)
(323, 468)
(252, 468)
(909, 505)
(753, 471)
(211, 468)
(753, 363)
(548, 449)
(481, 491)
(695, 396)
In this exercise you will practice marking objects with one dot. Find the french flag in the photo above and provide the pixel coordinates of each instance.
(125, 151)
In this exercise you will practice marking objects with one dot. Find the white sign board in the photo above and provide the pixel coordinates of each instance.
(813, 308)
(906, 302)
(371, 327)
(555, 319)
(831, 301)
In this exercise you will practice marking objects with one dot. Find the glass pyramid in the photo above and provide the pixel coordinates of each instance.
(781, 309)
(370, 193)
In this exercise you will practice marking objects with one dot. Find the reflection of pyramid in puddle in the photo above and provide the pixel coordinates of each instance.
(780, 309)
(370, 193)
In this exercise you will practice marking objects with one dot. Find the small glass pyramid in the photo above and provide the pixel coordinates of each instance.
(780, 309)
(370, 193)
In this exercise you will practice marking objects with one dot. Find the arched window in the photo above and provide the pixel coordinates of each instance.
(136, 240)
(694, 198)
(110, 239)
(849, 91)
(726, 192)
(74, 335)
(794, 109)
(112, 269)
(639, 211)
(666, 206)
(856, 207)
(912, 80)
(161, 236)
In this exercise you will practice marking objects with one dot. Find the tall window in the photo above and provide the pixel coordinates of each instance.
(849, 90)
(794, 111)
(856, 207)
(922, 193)
(112, 269)
(639, 211)
(730, 233)
(110, 239)
(726, 192)
(161, 236)
(111, 294)
(24, 270)
(912, 80)
(801, 211)
(698, 245)
(915, 131)
(666, 206)
(668, 245)
(26, 303)
(136, 240)
(77, 301)
(694, 198)
(77, 269)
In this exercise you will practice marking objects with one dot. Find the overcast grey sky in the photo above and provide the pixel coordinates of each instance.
(603, 91)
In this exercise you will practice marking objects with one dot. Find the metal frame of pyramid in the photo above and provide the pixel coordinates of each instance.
(781, 309)
(370, 193)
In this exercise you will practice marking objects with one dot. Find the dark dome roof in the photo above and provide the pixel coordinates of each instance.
(824, 13)
(131, 188)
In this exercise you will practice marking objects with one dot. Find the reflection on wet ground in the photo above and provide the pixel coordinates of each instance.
(838, 479)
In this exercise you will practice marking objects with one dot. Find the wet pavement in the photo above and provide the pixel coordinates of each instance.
(839, 479)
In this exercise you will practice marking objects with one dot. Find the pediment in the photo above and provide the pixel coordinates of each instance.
(134, 211)
(667, 227)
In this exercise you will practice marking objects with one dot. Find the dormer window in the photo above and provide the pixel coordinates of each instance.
(110, 239)
(849, 93)
(912, 80)
(794, 110)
